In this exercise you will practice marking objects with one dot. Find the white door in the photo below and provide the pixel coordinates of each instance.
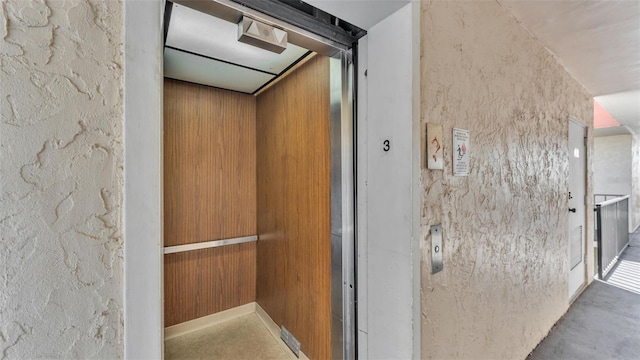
(577, 188)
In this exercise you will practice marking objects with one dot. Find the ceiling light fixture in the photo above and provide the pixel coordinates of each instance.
(262, 35)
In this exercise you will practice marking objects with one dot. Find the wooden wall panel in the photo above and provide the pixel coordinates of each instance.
(209, 194)
(209, 164)
(202, 282)
(293, 171)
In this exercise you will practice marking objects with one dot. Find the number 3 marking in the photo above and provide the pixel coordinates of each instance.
(386, 145)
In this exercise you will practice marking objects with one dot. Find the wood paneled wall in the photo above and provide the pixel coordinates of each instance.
(293, 171)
(209, 194)
(203, 282)
(209, 164)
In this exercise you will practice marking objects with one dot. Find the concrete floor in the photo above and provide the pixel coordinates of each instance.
(243, 338)
(604, 322)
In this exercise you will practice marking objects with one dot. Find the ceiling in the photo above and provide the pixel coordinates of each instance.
(361, 13)
(598, 43)
(204, 49)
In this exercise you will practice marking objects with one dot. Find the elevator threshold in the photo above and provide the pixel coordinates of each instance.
(246, 332)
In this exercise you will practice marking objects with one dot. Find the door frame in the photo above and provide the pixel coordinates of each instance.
(574, 296)
(343, 196)
(143, 230)
(143, 200)
(142, 205)
(389, 188)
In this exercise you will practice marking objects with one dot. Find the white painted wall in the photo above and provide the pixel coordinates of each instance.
(388, 99)
(613, 169)
(143, 325)
(612, 164)
(362, 205)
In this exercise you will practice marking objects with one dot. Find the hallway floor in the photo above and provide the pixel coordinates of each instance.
(239, 339)
(604, 322)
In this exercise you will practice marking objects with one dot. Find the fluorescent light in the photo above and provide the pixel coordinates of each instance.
(197, 69)
(204, 34)
(264, 36)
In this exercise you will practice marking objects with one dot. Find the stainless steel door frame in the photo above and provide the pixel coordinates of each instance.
(343, 281)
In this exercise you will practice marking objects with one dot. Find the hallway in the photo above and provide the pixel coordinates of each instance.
(604, 322)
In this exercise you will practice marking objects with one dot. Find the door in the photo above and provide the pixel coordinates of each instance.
(577, 189)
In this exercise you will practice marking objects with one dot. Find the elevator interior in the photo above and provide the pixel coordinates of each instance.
(258, 178)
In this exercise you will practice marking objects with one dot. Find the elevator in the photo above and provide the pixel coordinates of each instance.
(258, 157)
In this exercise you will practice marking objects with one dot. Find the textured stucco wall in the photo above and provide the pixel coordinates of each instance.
(504, 282)
(61, 179)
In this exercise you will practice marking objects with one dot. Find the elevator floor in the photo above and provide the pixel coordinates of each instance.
(239, 339)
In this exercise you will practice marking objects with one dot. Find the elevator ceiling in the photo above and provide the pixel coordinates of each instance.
(203, 49)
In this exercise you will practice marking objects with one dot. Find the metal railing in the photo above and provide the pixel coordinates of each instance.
(612, 231)
(598, 198)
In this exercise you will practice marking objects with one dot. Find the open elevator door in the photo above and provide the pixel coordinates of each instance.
(343, 265)
(328, 36)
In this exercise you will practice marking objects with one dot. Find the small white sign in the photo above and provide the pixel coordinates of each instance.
(460, 152)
